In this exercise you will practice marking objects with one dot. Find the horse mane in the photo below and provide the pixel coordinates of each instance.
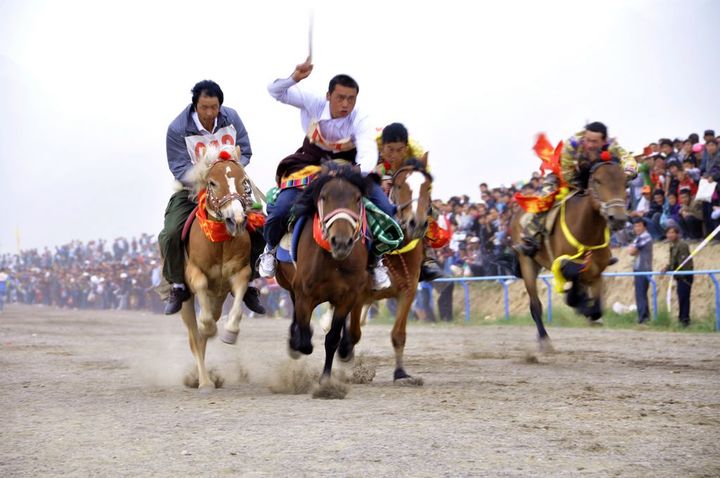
(198, 173)
(306, 204)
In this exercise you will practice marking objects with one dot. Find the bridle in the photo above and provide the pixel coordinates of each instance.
(405, 205)
(341, 214)
(610, 203)
(215, 204)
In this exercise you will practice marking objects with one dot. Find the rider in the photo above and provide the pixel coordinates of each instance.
(579, 153)
(395, 147)
(204, 116)
(335, 129)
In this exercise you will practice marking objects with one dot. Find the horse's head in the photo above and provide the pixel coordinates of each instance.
(607, 189)
(228, 187)
(410, 191)
(340, 208)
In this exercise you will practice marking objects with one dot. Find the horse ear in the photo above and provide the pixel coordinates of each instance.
(424, 160)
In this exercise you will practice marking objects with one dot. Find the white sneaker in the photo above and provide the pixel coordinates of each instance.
(266, 268)
(381, 279)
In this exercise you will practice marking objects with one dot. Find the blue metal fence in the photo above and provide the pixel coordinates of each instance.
(505, 282)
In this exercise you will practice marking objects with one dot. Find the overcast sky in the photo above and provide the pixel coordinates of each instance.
(89, 89)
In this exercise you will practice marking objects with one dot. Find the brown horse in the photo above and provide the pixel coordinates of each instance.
(588, 215)
(410, 191)
(214, 269)
(338, 276)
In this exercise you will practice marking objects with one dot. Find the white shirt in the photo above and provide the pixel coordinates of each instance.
(200, 127)
(355, 126)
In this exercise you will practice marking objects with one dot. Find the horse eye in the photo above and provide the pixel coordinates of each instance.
(212, 184)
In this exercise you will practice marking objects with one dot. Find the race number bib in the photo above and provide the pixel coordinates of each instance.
(197, 144)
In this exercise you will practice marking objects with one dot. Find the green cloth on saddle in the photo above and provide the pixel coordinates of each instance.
(386, 232)
(272, 195)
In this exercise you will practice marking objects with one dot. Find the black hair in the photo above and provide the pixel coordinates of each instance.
(343, 80)
(207, 88)
(712, 140)
(306, 204)
(394, 133)
(674, 227)
(666, 142)
(597, 127)
(694, 138)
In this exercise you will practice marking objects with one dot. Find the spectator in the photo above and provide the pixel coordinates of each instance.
(679, 251)
(641, 248)
(691, 218)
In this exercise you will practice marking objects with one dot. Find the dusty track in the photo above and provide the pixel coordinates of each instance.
(101, 394)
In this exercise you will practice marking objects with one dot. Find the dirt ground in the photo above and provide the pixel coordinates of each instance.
(101, 394)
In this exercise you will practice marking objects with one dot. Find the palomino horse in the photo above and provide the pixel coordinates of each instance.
(338, 275)
(410, 191)
(214, 269)
(581, 232)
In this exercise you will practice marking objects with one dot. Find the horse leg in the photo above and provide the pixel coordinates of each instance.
(351, 335)
(332, 340)
(197, 343)
(238, 284)
(364, 314)
(529, 273)
(398, 336)
(300, 341)
(199, 284)
(326, 318)
(594, 311)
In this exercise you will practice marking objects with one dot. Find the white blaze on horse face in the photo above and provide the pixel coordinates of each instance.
(234, 209)
(415, 180)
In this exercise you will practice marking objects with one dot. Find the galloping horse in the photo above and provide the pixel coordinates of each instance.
(410, 191)
(580, 233)
(214, 269)
(333, 206)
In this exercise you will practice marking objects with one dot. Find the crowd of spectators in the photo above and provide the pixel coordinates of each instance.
(677, 185)
(92, 275)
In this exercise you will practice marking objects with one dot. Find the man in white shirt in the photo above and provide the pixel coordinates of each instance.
(334, 129)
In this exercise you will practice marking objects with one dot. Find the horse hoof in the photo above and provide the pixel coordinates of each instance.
(346, 352)
(409, 381)
(207, 388)
(546, 347)
(294, 354)
(228, 337)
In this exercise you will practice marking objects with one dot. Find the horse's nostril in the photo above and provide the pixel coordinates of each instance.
(349, 242)
(333, 241)
(412, 223)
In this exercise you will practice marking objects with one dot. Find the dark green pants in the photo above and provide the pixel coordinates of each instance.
(173, 249)
(171, 245)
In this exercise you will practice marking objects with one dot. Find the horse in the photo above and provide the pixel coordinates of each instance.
(581, 232)
(333, 203)
(214, 269)
(410, 191)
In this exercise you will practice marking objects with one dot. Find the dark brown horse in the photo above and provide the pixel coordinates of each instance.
(410, 191)
(587, 216)
(215, 269)
(338, 276)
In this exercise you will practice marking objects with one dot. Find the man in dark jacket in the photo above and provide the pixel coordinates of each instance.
(679, 251)
(204, 116)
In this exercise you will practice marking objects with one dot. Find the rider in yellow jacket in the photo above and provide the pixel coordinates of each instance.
(395, 147)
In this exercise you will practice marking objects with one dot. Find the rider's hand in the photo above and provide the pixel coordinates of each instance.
(302, 70)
